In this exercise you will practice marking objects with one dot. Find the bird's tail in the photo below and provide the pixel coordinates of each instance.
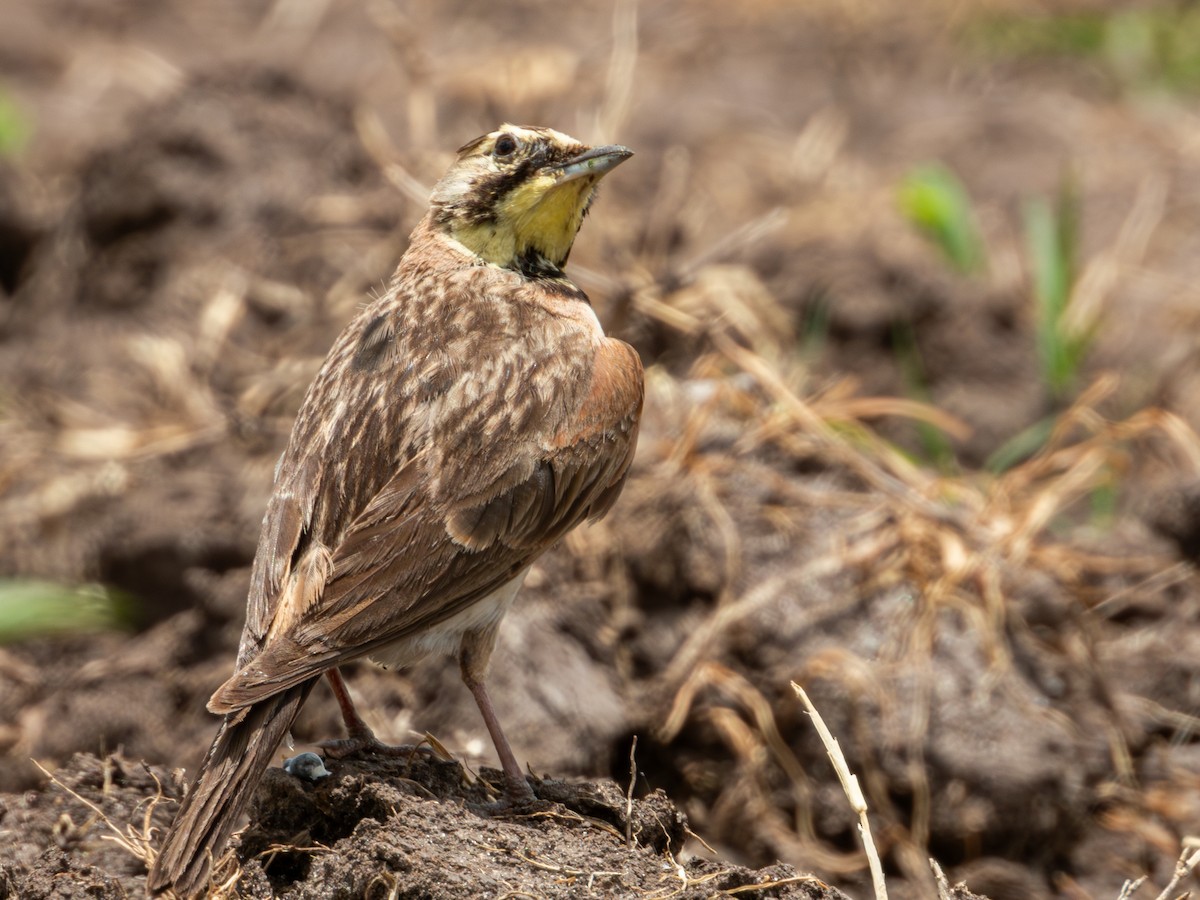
(235, 763)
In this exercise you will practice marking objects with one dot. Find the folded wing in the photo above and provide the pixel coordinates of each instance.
(413, 558)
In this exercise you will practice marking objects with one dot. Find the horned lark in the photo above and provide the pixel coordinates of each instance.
(462, 423)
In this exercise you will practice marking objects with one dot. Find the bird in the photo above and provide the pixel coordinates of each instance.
(465, 420)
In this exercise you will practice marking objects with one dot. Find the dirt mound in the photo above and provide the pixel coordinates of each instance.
(373, 828)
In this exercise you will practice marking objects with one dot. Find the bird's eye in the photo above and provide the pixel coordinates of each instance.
(506, 145)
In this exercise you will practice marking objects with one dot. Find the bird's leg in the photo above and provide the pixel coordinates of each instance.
(475, 652)
(360, 736)
(355, 726)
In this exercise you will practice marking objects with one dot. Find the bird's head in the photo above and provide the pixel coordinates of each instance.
(516, 197)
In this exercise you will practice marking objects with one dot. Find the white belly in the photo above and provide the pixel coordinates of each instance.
(444, 638)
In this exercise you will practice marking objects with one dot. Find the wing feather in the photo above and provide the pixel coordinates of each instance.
(413, 558)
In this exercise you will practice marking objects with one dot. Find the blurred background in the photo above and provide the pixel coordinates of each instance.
(915, 284)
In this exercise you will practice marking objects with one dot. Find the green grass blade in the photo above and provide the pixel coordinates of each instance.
(934, 200)
(1022, 446)
(14, 127)
(1051, 238)
(30, 608)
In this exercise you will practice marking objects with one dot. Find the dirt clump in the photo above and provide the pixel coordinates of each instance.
(419, 827)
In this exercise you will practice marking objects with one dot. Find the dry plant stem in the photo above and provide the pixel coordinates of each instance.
(618, 87)
(297, 19)
(629, 793)
(817, 428)
(141, 844)
(853, 792)
(943, 884)
(138, 845)
(699, 644)
(748, 698)
(1188, 860)
(763, 885)
(375, 140)
(749, 234)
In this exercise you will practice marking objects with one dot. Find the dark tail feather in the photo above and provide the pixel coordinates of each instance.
(235, 763)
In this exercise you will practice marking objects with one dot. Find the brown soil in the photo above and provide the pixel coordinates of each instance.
(1014, 673)
(377, 828)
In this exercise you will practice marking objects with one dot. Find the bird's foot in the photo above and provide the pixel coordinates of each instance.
(518, 797)
(518, 792)
(363, 742)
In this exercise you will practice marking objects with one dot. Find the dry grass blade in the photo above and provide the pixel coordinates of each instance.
(957, 540)
(943, 884)
(750, 234)
(298, 18)
(700, 644)
(140, 842)
(275, 849)
(1099, 279)
(618, 89)
(853, 793)
(901, 485)
(1189, 859)
(629, 793)
(375, 140)
(1129, 888)
(878, 407)
(139, 845)
(768, 885)
(745, 722)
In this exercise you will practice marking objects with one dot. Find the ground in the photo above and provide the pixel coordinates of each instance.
(1006, 644)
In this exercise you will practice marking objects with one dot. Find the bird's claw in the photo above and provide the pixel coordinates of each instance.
(369, 745)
